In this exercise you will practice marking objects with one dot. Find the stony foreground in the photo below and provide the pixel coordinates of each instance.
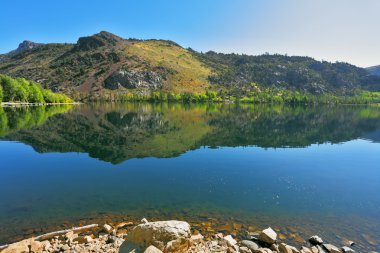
(162, 237)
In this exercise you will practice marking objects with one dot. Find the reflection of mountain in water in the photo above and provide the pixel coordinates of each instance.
(115, 133)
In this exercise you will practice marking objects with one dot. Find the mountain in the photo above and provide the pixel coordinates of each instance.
(105, 64)
(375, 70)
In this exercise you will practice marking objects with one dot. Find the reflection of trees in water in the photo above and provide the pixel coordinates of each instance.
(292, 127)
(13, 119)
(116, 133)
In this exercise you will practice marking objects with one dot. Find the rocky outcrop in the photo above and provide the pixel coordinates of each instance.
(97, 40)
(132, 79)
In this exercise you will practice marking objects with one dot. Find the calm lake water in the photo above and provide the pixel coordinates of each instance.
(301, 170)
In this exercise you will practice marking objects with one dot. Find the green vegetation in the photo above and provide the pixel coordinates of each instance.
(294, 73)
(21, 90)
(109, 68)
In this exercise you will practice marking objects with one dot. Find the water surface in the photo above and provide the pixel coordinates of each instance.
(301, 170)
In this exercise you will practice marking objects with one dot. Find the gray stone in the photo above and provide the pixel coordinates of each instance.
(347, 250)
(331, 248)
(250, 245)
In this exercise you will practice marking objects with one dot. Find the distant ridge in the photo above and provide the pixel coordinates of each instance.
(375, 70)
(105, 64)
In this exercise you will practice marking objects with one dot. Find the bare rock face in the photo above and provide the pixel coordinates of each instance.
(268, 236)
(167, 236)
(132, 79)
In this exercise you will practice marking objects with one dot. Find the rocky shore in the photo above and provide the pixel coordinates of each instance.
(163, 237)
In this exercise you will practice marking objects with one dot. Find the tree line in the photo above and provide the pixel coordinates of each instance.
(22, 90)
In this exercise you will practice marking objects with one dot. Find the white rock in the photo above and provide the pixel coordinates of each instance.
(230, 241)
(152, 249)
(107, 228)
(331, 248)
(143, 220)
(268, 236)
(347, 249)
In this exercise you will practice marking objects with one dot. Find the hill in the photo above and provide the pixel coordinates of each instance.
(105, 65)
(375, 70)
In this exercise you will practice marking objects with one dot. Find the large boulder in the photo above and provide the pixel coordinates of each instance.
(268, 236)
(167, 236)
(25, 246)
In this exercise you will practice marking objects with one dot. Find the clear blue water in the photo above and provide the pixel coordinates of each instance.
(316, 169)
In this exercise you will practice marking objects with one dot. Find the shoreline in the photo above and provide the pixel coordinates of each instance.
(165, 236)
(19, 104)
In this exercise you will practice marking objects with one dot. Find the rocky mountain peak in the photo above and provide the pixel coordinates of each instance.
(25, 45)
(100, 39)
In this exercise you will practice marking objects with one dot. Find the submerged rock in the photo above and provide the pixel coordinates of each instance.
(268, 236)
(346, 249)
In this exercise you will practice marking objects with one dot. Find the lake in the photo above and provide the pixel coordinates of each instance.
(301, 170)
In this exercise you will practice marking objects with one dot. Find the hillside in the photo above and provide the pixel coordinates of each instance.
(105, 65)
(375, 70)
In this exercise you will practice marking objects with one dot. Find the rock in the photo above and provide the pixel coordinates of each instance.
(46, 245)
(305, 250)
(268, 236)
(196, 238)
(250, 245)
(244, 250)
(159, 233)
(143, 220)
(370, 239)
(152, 249)
(315, 240)
(284, 248)
(331, 248)
(230, 241)
(124, 224)
(264, 250)
(317, 249)
(346, 249)
(18, 247)
(177, 246)
(83, 239)
(65, 247)
(107, 228)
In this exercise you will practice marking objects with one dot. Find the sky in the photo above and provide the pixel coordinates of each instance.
(332, 30)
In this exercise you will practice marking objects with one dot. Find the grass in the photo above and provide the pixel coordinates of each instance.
(189, 74)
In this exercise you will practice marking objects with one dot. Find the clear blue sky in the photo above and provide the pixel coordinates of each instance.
(333, 30)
